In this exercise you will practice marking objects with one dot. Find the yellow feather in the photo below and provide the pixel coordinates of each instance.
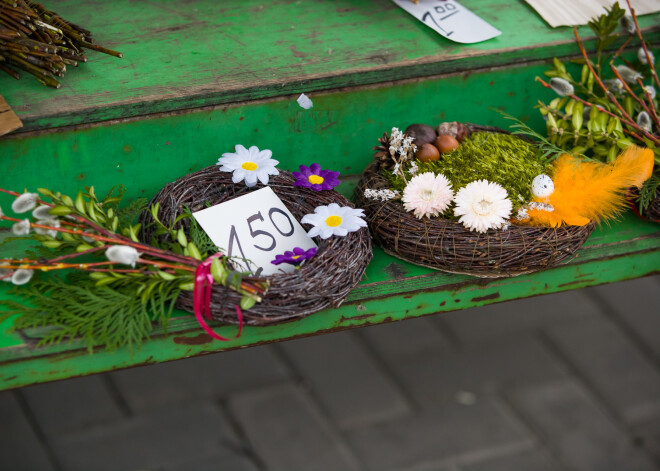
(592, 191)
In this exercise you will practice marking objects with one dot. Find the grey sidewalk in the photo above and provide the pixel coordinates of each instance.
(561, 382)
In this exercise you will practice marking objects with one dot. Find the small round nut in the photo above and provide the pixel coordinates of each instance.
(422, 134)
(455, 129)
(428, 153)
(446, 143)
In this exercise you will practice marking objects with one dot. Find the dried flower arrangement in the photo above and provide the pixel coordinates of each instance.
(125, 276)
(472, 199)
(40, 42)
(614, 104)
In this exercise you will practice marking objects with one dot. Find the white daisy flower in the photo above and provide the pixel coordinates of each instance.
(21, 228)
(427, 195)
(482, 205)
(249, 165)
(334, 220)
(122, 254)
(21, 276)
(24, 203)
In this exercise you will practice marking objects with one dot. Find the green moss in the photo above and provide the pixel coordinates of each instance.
(500, 158)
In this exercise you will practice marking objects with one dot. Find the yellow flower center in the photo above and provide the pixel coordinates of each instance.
(482, 208)
(315, 179)
(296, 257)
(249, 166)
(333, 221)
(426, 195)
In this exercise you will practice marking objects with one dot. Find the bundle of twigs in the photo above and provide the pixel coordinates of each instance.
(40, 42)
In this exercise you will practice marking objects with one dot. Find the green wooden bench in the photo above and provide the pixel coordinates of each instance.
(198, 77)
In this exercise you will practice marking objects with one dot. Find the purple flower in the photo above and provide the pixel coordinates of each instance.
(315, 178)
(296, 257)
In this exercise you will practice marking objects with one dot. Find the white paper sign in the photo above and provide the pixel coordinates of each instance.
(450, 19)
(257, 227)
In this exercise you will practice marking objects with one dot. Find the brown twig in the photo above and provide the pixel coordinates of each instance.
(641, 40)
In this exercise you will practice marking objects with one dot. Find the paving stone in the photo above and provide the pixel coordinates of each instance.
(405, 338)
(451, 434)
(647, 435)
(344, 377)
(202, 377)
(20, 448)
(288, 432)
(534, 460)
(66, 406)
(580, 434)
(613, 365)
(214, 462)
(513, 318)
(162, 438)
(436, 377)
(637, 303)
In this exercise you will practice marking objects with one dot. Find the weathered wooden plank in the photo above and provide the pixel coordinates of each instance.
(182, 55)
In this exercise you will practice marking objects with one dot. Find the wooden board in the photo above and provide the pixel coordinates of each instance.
(182, 55)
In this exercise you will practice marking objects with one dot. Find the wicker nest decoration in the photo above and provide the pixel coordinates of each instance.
(447, 245)
(323, 281)
(653, 211)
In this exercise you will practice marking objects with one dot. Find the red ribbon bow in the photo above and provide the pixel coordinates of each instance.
(202, 299)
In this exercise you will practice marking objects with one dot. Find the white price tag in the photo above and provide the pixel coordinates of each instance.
(257, 227)
(450, 19)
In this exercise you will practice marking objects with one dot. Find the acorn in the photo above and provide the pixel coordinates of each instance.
(455, 129)
(446, 143)
(427, 153)
(422, 133)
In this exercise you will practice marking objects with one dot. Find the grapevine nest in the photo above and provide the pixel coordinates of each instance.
(323, 281)
(446, 245)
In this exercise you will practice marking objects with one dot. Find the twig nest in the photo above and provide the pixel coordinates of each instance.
(458, 131)
(446, 143)
(422, 133)
(428, 153)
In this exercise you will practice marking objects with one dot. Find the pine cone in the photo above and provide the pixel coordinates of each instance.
(457, 130)
(382, 153)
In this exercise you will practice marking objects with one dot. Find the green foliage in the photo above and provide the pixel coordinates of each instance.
(77, 307)
(589, 122)
(501, 158)
(649, 191)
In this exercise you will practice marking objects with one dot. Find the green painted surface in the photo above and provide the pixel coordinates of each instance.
(181, 55)
(338, 132)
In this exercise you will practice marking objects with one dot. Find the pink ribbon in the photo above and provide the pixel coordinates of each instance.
(202, 299)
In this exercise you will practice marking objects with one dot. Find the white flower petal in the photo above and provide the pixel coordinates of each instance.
(482, 205)
(251, 178)
(24, 203)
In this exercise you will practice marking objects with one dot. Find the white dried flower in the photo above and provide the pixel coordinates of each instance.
(413, 169)
(122, 254)
(427, 195)
(641, 55)
(644, 120)
(627, 74)
(628, 24)
(482, 205)
(21, 276)
(561, 86)
(24, 203)
(42, 212)
(541, 206)
(402, 145)
(21, 228)
(381, 195)
(52, 222)
(395, 170)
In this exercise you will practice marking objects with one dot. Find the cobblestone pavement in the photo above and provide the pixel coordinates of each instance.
(561, 382)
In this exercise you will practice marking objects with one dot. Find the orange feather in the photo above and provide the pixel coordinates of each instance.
(592, 191)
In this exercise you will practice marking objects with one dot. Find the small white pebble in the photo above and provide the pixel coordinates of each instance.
(304, 101)
(466, 398)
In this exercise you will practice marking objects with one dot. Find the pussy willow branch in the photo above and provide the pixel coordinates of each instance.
(641, 40)
(641, 102)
